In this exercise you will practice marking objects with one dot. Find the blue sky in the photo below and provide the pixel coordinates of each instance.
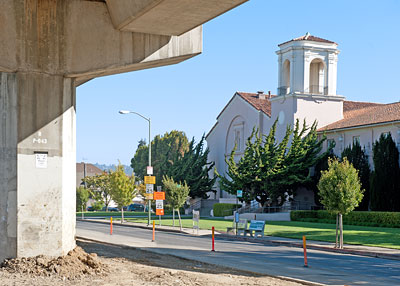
(239, 55)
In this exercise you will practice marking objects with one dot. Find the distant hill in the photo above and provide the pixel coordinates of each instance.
(128, 169)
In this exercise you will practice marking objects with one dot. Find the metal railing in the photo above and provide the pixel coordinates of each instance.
(317, 89)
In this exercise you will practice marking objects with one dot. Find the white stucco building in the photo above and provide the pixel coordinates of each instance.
(307, 79)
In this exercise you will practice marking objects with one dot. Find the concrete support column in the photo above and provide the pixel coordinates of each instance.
(37, 164)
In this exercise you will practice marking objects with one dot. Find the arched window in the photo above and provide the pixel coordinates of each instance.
(317, 77)
(285, 88)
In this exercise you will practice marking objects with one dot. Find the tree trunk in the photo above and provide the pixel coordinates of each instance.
(180, 221)
(173, 217)
(337, 226)
(82, 212)
(341, 230)
(122, 214)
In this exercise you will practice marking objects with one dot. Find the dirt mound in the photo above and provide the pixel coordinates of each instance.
(76, 264)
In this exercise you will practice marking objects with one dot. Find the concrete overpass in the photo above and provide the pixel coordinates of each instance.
(47, 49)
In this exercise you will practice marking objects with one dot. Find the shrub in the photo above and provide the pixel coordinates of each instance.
(361, 218)
(221, 209)
(98, 205)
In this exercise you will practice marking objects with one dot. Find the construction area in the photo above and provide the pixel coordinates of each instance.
(115, 265)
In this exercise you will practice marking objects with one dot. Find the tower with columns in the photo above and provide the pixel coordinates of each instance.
(307, 76)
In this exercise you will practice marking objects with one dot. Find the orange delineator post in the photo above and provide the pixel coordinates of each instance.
(212, 235)
(305, 251)
(154, 230)
(111, 230)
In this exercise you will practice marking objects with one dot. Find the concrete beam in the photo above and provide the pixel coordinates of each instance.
(77, 39)
(166, 17)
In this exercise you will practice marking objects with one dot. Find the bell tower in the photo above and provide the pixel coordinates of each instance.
(307, 78)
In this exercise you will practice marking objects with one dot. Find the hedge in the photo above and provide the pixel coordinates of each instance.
(361, 218)
(222, 209)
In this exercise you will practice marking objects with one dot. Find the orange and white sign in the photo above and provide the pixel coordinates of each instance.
(159, 195)
(159, 207)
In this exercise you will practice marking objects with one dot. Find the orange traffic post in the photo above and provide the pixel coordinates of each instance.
(305, 251)
(154, 230)
(213, 237)
(111, 226)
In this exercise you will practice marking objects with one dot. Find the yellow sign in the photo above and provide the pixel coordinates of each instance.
(150, 180)
(148, 196)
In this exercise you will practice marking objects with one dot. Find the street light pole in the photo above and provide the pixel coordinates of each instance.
(149, 203)
(149, 121)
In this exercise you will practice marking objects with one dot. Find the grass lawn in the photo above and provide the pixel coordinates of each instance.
(363, 235)
(109, 214)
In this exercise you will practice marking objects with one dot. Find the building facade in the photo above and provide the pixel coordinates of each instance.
(307, 80)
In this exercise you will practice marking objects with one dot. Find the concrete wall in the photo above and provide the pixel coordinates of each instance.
(238, 115)
(41, 109)
(367, 135)
(8, 166)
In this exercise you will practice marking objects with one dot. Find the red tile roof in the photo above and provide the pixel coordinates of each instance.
(308, 37)
(358, 114)
(353, 105)
(253, 99)
(260, 104)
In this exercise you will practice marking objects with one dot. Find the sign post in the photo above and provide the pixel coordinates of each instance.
(149, 181)
(239, 194)
(196, 220)
(159, 197)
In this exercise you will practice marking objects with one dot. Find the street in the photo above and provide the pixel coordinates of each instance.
(324, 267)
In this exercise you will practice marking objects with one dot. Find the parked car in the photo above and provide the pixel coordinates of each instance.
(136, 208)
(110, 209)
(90, 209)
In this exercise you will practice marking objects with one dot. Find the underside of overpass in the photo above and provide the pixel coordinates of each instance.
(47, 49)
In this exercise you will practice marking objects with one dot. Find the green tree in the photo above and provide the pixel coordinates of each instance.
(385, 179)
(255, 172)
(176, 195)
(123, 188)
(303, 153)
(99, 188)
(164, 150)
(270, 170)
(82, 197)
(357, 157)
(340, 191)
(321, 165)
(193, 168)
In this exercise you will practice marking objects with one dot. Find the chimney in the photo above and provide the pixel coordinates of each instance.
(269, 94)
(260, 94)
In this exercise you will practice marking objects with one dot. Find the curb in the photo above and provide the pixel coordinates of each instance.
(315, 247)
(289, 279)
(273, 242)
(131, 225)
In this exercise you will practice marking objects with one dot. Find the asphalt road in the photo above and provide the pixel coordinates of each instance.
(324, 267)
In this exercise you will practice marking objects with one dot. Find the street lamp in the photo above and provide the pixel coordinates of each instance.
(149, 121)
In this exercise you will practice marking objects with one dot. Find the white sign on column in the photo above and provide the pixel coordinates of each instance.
(41, 160)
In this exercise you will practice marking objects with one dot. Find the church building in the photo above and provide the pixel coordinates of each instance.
(307, 77)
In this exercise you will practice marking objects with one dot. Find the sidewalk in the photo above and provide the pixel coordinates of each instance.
(361, 250)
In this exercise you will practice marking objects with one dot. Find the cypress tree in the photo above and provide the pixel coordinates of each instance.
(385, 179)
(193, 167)
(357, 157)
